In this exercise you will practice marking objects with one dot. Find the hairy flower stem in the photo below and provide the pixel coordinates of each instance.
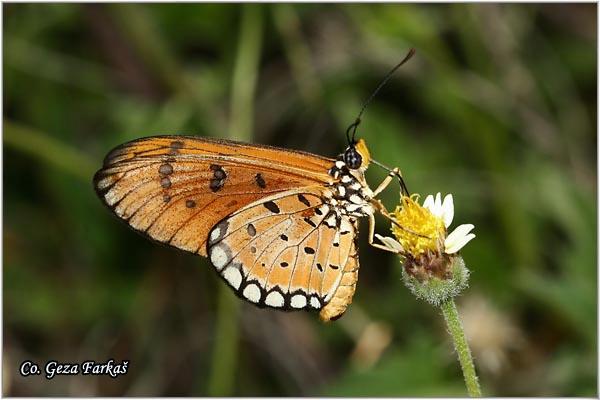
(462, 347)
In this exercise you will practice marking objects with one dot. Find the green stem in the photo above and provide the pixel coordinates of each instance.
(245, 74)
(462, 347)
(224, 359)
(222, 372)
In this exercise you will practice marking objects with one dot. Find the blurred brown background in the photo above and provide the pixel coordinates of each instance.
(498, 107)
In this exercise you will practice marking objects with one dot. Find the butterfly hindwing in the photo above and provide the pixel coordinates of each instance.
(174, 189)
(287, 251)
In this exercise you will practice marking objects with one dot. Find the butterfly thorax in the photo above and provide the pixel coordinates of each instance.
(351, 194)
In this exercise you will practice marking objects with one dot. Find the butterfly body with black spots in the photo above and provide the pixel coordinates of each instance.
(279, 226)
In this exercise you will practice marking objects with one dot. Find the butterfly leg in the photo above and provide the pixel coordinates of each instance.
(385, 213)
(394, 173)
(372, 237)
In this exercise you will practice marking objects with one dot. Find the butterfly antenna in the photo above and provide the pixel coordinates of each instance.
(385, 80)
(403, 186)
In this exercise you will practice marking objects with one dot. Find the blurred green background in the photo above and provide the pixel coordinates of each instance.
(497, 107)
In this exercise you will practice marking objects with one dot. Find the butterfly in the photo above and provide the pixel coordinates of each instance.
(279, 226)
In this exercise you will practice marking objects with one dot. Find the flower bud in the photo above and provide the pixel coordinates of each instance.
(436, 279)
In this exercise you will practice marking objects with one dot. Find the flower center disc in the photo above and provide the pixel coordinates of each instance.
(415, 218)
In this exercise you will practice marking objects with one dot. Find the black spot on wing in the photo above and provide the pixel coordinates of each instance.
(165, 169)
(165, 182)
(309, 250)
(271, 206)
(310, 222)
(303, 200)
(218, 179)
(260, 181)
(190, 203)
(216, 184)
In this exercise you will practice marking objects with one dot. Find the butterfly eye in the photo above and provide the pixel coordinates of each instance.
(352, 159)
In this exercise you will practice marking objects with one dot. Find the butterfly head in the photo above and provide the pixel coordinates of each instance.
(357, 155)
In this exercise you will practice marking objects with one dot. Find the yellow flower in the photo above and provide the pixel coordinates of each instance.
(422, 230)
(418, 229)
(432, 269)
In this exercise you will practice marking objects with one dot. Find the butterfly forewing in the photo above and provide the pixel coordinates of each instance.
(175, 189)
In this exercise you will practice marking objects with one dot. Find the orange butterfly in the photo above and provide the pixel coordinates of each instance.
(279, 226)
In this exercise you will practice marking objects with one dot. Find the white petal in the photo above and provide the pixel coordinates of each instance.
(436, 208)
(390, 243)
(428, 203)
(448, 210)
(458, 238)
(461, 230)
(456, 246)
